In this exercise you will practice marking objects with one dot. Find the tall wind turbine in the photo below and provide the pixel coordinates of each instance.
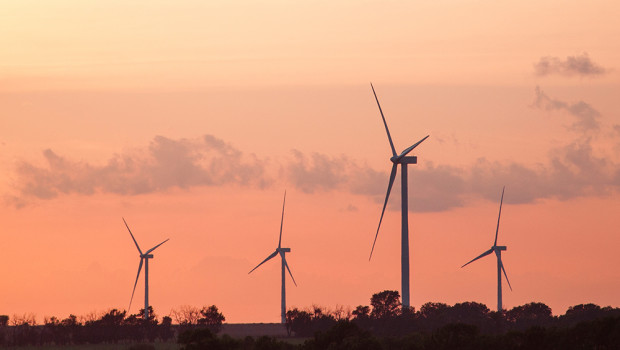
(144, 259)
(498, 252)
(403, 160)
(281, 251)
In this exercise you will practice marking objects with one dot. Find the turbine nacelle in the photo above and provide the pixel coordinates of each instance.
(499, 247)
(404, 160)
(147, 256)
(284, 250)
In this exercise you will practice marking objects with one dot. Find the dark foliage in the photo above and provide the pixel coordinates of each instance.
(383, 325)
(467, 325)
(113, 327)
(204, 339)
(343, 335)
(602, 334)
(212, 318)
(305, 324)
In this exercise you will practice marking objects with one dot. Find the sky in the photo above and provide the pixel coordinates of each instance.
(190, 119)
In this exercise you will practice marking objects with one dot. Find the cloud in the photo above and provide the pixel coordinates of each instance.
(350, 208)
(167, 163)
(580, 65)
(318, 172)
(573, 170)
(587, 117)
(437, 188)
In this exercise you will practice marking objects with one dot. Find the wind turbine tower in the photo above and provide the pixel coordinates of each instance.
(403, 160)
(282, 252)
(498, 253)
(144, 259)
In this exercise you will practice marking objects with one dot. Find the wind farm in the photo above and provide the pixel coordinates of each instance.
(189, 119)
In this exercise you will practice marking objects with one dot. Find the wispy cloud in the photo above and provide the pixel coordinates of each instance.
(167, 163)
(573, 170)
(587, 117)
(578, 65)
(318, 172)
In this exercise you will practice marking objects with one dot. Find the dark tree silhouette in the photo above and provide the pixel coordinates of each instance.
(212, 318)
(385, 304)
(529, 315)
(304, 323)
(165, 329)
(433, 315)
(199, 339)
(361, 316)
(361, 312)
(298, 322)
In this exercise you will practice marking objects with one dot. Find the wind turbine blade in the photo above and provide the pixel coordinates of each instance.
(411, 148)
(392, 177)
(384, 122)
(500, 214)
(505, 275)
(289, 271)
(132, 237)
(150, 250)
(479, 256)
(264, 261)
(282, 221)
(135, 284)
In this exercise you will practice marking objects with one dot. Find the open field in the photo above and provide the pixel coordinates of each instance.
(158, 346)
(240, 330)
(235, 330)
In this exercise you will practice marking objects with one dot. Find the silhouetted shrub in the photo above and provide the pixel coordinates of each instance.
(198, 339)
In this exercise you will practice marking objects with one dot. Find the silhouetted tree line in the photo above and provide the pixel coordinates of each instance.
(113, 327)
(386, 325)
(602, 333)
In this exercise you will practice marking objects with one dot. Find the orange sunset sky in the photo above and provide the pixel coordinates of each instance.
(191, 118)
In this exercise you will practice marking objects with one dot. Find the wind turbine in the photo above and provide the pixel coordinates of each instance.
(144, 259)
(281, 251)
(403, 160)
(498, 252)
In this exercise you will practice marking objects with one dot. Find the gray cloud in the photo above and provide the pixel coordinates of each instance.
(318, 172)
(437, 188)
(580, 65)
(573, 170)
(587, 117)
(167, 163)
